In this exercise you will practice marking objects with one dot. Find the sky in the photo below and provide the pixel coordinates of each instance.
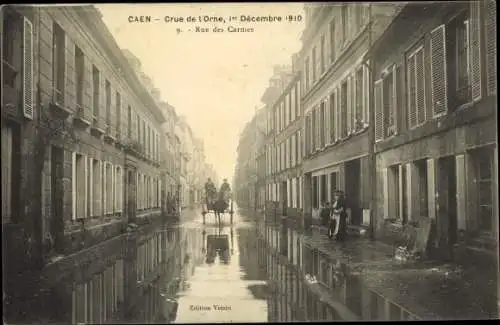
(214, 79)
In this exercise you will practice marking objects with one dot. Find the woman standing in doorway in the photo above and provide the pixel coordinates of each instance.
(338, 217)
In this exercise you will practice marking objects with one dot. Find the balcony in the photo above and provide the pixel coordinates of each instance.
(57, 105)
(98, 127)
(109, 132)
(81, 117)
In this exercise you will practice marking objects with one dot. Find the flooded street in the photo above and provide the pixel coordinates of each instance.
(249, 271)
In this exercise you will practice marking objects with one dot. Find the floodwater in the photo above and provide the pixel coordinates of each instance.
(248, 271)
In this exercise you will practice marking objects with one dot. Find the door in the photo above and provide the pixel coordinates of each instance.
(446, 203)
(57, 175)
(131, 194)
(352, 190)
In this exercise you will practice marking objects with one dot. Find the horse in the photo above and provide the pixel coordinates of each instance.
(220, 207)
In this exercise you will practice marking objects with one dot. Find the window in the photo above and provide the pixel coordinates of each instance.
(118, 113)
(108, 102)
(108, 196)
(96, 92)
(332, 41)
(129, 121)
(79, 74)
(118, 206)
(313, 130)
(393, 176)
(58, 62)
(323, 54)
(306, 73)
(333, 120)
(322, 120)
(11, 173)
(318, 61)
(459, 65)
(79, 176)
(389, 96)
(314, 65)
(138, 122)
(416, 88)
(11, 32)
(344, 25)
(343, 110)
(358, 16)
(297, 99)
(360, 95)
(96, 189)
(289, 97)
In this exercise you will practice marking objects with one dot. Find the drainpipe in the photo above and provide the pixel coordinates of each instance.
(371, 130)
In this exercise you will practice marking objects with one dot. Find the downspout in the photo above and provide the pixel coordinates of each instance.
(371, 130)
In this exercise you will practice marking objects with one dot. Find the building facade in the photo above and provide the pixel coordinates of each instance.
(435, 122)
(336, 97)
(81, 137)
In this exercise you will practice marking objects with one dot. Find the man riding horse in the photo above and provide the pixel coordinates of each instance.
(211, 191)
(225, 193)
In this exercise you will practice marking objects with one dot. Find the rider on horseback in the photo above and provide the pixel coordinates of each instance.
(210, 190)
(225, 190)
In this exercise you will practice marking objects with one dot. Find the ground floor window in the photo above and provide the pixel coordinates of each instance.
(483, 165)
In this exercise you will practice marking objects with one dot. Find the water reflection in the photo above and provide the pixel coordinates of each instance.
(310, 286)
(200, 273)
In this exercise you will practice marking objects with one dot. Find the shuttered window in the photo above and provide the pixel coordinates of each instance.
(96, 93)
(343, 109)
(475, 49)
(323, 54)
(314, 66)
(379, 112)
(490, 28)
(333, 120)
(350, 104)
(79, 185)
(322, 120)
(389, 103)
(332, 41)
(438, 72)
(359, 95)
(58, 62)
(28, 69)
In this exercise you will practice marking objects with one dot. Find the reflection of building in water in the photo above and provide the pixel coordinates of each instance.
(248, 245)
(131, 286)
(335, 296)
(218, 245)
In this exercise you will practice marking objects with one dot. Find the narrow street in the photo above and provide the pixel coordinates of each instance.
(253, 271)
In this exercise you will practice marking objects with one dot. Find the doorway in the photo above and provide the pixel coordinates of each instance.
(57, 176)
(131, 193)
(352, 190)
(447, 202)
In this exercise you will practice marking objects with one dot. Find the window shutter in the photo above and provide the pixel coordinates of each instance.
(385, 188)
(91, 186)
(411, 84)
(28, 105)
(475, 50)
(327, 122)
(338, 115)
(379, 112)
(490, 28)
(395, 93)
(366, 94)
(85, 167)
(73, 184)
(438, 71)
(353, 102)
(113, 189)
(420, 87)
(431, 188)
(349, 105)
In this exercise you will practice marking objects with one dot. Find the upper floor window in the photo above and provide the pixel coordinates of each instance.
(79, 74)
(314, 64)
(343, 109)
(108, 101)
(58, 62)
(332, 40)
(344, 26)
(415, 66)
(306, 73)
(388, 102)
(96, 91)
(458, 60)
(118, 112)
